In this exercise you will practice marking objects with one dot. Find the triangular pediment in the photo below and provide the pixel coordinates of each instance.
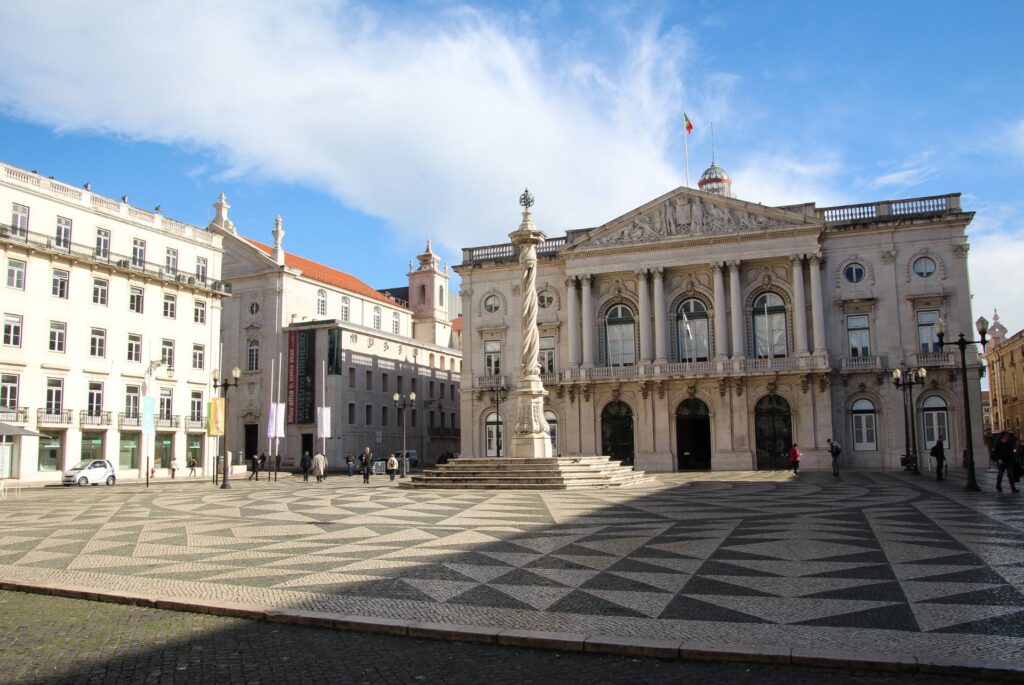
(686, 214)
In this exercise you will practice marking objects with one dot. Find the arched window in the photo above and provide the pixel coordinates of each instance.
(394, 323)
(440, 296)
(865, 437)
(252, 358)
(552, 420)
(443, 362)
(620, 336)
(769, 326)
(692, 331)
(321, 303)
(344, 309)
(423, 294)
(936, 421)
(376, 318)
(492, 434)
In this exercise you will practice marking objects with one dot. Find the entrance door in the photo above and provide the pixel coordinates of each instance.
(617, 432)
(773, 429)
(307, 443)
(693, 431)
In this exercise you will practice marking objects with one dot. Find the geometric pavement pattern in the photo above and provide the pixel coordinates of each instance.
(877, 560)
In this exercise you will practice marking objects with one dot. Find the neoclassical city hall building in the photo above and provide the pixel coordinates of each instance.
(699, 331)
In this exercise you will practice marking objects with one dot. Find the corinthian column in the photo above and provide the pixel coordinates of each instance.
(645, 316)
(659, 314)
(817, 313)
(736, 305)
(721, 336)
(574, 323)
(799, 306)
(530, 434)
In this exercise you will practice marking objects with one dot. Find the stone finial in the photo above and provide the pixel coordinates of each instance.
(278, 253)
(221, 217)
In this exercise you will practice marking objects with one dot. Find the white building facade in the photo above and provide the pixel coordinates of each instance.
(306, 335)
(104, 304)
(699, 331)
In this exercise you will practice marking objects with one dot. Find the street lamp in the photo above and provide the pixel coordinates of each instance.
(905, 381)
(961, 343)
(403, 403)
(223, 385)
(499, 393)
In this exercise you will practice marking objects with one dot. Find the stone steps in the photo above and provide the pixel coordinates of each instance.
(559, 473)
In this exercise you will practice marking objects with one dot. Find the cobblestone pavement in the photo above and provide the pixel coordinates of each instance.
(57, 640)
(877, 563)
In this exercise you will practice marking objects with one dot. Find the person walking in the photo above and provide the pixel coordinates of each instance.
(794, 458)
(366, 464)
(350, 464)
(255, 467)
(306, 463)
(835, 449)
(174, 466)
(319, 466)
(392, 466)
(192, 467)
(1004, 460)
(939, 455)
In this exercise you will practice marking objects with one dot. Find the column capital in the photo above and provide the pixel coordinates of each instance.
(570, 282)
(587, 279)
(816, 259)
(796, 257)
(716, 266)
(735, 263)
(658, 272)
(641, 273)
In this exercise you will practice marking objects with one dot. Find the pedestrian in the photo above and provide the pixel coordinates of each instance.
(350, 463)
(265, 464)
(794, 458)
(1004, 460)
(366, 464)
(174, 466)
(835, 449)
(306, 463)
(939, 454)
(255, 466)
(192, 467)
(392, 466)
(319, 466)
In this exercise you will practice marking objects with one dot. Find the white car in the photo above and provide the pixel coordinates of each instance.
(90, 472)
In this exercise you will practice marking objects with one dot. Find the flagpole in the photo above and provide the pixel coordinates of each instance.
(279, 410)
(271, 427)
(686, 153)
(323, 403)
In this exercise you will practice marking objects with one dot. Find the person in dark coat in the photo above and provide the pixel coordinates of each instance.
(306, 463)
(834, 450)
(366, 464)
(1004, 460)
(255, 467)
(350, 463)
(939, 454)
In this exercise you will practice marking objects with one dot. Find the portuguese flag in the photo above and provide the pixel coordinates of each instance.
(687, 124)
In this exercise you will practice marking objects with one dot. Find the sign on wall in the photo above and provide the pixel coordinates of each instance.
(301, 376)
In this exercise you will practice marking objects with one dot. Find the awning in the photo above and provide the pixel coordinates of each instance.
(8, 429)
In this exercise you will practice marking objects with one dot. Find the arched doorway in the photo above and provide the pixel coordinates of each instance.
(773, 432)
(552, 420)
(493, 430)
(693, 436)
(617, 432)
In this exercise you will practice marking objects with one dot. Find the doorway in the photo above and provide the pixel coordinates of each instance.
(307, 444)
(693, 436)
(252, 440)
(773, 433)
(617, 432)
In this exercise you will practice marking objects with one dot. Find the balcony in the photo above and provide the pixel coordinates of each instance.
(933, 359)
(888, 210)
(129, 420)
(54, 417)
(166, 421)
(867, 363)
(195, 424)
(94, 419)
(14, 414)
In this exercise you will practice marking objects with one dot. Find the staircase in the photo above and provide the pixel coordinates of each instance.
(557, 473)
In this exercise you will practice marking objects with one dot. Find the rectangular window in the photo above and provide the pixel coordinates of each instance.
(62, 235)
(198, 356)
(351, 413)
(9, 391)
(12, 330)
(171, 262)
(383, 416)
(864, 434)
(135, 299)
(99, 291)
(383, 382)
(102, 244)
(926, 338)
(412, 384)
(19, 221)
(138, 253)
(170, 306)
(54, 395)
(167, 353)
(132, 400)
(492, 358)
(58, 332)
(352, 377)
(413, 419)
(547, 355)
(16, 274)
(334, 351)
(430, 390)
(134, 347)
(859, 335)
(201, 270)
(98, 343)
(195, 411)
(369, 380)
(398, 384)
(369, 415)
(59, 286)
(166, 403)
(199, 312)
(94, 401)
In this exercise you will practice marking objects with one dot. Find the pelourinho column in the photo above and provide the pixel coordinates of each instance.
(659, 314)
(817, 311)
(574, 322)
(530, 436)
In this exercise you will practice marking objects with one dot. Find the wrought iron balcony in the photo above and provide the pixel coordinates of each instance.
(54, 417)
(195, 424)
(167, 421)
(88, 417)
(129, 420)
(14, 414)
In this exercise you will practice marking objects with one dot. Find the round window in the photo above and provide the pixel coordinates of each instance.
(924, 266)
(491, 304)
(854, 272)
(545, 299)
(254, 308)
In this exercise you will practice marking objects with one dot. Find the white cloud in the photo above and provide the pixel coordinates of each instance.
(1015, 138)
(994, 258)
(904, 178)
(780, 178)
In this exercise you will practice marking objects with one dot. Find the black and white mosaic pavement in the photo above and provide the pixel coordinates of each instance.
(878, 562)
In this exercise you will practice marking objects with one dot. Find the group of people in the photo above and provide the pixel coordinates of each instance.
(317, 465)
(834, 450)
(174, 466)
(1008, 456)
(260, 462)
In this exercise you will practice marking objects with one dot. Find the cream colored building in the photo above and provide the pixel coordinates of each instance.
(699, 331)
(342, 343)
(104, 303)
(1005, 358)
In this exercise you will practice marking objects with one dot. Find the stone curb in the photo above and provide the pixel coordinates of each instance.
(686, 650)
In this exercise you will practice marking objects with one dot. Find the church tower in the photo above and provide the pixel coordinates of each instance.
(428, 299)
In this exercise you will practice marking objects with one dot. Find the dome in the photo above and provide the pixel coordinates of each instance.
(714, 180)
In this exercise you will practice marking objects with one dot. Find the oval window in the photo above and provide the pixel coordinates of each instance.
(491, 304)
(924, 266)
(854, 272)
(545, 299)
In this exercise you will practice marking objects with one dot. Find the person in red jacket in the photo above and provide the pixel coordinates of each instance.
(794, 457)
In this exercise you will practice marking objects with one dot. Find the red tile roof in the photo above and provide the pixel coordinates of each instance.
(457, 324)
(325, 274)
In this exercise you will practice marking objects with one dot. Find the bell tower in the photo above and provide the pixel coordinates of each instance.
(428, 299)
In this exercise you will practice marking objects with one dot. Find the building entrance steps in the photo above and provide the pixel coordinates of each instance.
(553, 473)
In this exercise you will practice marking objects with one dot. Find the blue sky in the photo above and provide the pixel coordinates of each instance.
(368, 126)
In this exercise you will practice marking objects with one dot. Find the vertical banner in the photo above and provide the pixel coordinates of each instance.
(305, 377)
(323, 422)
(272, 421)
(215, 417)
(148, 415)
(292, 371)
(279, 416)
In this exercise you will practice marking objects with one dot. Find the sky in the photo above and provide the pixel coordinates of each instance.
(371, 127)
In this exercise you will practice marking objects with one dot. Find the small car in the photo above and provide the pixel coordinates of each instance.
(414, 461)
(90, 472)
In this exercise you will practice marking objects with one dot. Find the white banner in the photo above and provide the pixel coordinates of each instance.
(281, 415)
(272, 421)
(323, 422)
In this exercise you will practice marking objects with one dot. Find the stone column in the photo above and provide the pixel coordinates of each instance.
(659, 315)
(799, 305)
(530, 434)
(573, 323)
(817, 312)
(721, 334)
(735, 303)
(645, 316)
(588, 322)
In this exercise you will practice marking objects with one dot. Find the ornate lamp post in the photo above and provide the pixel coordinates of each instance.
(499, 393)
(961, 343)
(223, 385)
(403, 403)
(905, 381)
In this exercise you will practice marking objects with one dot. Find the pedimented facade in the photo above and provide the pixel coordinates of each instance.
(700, 331)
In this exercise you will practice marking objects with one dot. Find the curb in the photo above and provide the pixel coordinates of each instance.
(686, 650)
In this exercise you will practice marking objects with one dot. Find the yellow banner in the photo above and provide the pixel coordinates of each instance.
(215, 417)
